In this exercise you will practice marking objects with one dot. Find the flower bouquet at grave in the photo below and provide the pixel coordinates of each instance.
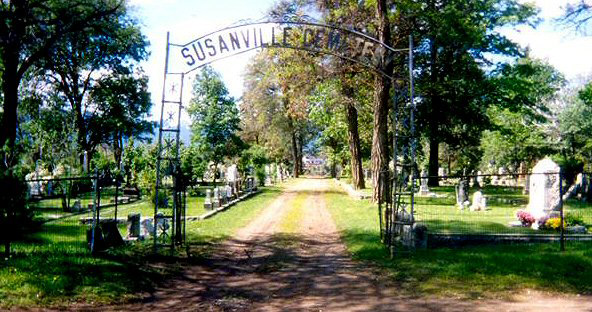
(554, 224)
(525, 218)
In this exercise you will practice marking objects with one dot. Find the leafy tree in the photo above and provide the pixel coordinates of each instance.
(520, 113)
(193, 165)
(30, 30)
(122, 104)
(134, 160)
(255, 157)
(278, 84)
(215, 118)
(577, 15)
(454, 39)
(326, 115)
(575, 124)
(85, 60)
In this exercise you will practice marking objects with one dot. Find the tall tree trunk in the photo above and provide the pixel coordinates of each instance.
(117, 149)
(382, 85)
(353, 136)
(433, 163)
(296, 167)
(300, 163)
(10, 84)
(333, 168)
(433, 116)
(81, 128)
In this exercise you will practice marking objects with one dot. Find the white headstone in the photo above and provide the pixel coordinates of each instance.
(85, 162)
(544, 189)
(231, 173)
(278, 173)
(479, 202)
(441, 172)
(267, 174)
(228, 192)
(423, 188)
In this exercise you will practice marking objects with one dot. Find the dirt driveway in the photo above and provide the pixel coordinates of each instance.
(263, 269)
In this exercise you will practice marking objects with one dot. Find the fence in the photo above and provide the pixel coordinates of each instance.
(63, 210)
(489, 208)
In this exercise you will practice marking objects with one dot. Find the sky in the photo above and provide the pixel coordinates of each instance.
(566, 50)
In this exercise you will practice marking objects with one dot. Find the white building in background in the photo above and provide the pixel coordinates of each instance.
(314, 165)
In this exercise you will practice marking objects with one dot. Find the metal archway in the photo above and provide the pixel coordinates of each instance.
(182, 59)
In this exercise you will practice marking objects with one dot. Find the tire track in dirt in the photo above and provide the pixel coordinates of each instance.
(263, 269)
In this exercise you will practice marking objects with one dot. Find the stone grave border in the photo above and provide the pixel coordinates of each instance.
(355, 194)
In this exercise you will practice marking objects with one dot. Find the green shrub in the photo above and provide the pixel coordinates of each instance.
(260, 174)
(572, 219)
(163, 198)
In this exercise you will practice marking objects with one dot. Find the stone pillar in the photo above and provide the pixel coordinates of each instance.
(208, 200)
(216, 200)
(134, 226)
(462, 193)
(424, 190)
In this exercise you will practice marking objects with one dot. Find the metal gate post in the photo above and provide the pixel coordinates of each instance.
(168, 162)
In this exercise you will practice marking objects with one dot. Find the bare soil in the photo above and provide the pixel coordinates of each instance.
(263, 269)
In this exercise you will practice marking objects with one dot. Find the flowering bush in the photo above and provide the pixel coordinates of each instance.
(554, 223)
(525, 218)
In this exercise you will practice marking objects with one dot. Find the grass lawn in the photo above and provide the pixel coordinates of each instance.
(441, 215)
(224, 224)
(145, 207)
(49, 209)
(468, 272)
(52, 266)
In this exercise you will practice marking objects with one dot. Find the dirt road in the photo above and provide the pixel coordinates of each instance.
(263, 269)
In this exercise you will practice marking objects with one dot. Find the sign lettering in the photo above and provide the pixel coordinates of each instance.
(310, 37)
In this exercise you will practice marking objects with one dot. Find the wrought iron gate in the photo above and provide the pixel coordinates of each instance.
(396, 213)
(169, 215)
(347, 44)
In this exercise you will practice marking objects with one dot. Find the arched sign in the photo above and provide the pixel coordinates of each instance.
(319, 38)
(182, 59)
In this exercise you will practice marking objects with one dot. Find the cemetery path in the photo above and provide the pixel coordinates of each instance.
(268, 268)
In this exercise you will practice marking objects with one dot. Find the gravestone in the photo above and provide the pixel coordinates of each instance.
(279, 174)
(462, 194)
(526, 188)
(475, 178)
(480, 180)
(250, 184)
(424, 190)
(222, 192)
(479, 202)
(208, 200)
(77, 206)
(147, 227)
(111, 235)
(133, 227)
(229, 193)
(367, 174)
(267, 175)
(216, 199)
(544, 189)
(576, 188)
(232, 176)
